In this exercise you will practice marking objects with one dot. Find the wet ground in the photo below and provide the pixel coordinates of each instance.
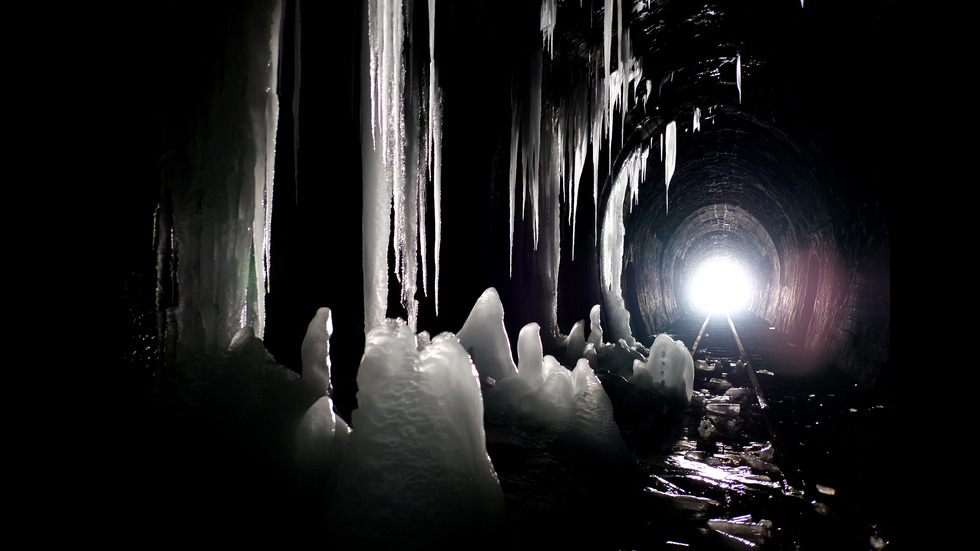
(812, 470)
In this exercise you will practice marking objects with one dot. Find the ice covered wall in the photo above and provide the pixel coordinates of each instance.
(214, 219)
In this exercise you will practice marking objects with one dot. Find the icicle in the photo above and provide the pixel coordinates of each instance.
(612, 244)
(549, 14)
(532, 144)
(376, 199)
(434, 112)
(437, 183)
(265, 177)
(607, 57)
(738, 75)
(598, 99)
(410, 185)
(296, 88)
(515, 135)
(581, 129)
(671, 159)
(405, 148)
(697, 119)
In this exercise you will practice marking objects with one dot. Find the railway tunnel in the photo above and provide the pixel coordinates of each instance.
(784, 160)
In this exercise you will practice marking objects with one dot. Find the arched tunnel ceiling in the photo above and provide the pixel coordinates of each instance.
(777, 163)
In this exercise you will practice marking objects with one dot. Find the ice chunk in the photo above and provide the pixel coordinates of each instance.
(483, 335)
(742, 533)
(670, 367)
(315, 352)
(415, 471)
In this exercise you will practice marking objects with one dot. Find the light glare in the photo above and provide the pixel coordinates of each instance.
(720, 285)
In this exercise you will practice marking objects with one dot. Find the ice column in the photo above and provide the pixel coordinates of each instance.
(632, 172)
(219, 193)
(402, 155)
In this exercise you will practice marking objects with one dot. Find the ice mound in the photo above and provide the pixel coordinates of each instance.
(483, 335)
(415, 471)
(669, 368)
(547, 393)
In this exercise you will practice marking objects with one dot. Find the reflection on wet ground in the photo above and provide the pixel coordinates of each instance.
(805, 472)
(810, 471)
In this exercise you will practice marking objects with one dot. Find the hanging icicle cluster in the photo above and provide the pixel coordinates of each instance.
(403, 157)
(585, 116)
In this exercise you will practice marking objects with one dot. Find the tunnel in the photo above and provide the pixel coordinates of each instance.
(590, 153)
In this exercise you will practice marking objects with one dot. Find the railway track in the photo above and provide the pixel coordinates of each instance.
(766, 456)
(726, 466)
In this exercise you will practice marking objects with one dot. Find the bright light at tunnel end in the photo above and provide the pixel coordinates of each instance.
(720, 285)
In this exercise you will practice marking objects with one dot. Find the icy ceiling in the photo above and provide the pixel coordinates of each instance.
(666, 132)
(572, 153)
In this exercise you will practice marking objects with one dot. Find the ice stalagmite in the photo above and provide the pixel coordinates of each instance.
(484, 336)
(315, 352)
(668, 368)
(321, 435)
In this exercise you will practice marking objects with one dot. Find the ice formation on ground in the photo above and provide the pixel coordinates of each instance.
(315, 352)
(669, 367)
(415, 469)
(560, 399)
(483, 335)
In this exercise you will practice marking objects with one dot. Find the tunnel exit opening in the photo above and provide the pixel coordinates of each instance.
(721, 285)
